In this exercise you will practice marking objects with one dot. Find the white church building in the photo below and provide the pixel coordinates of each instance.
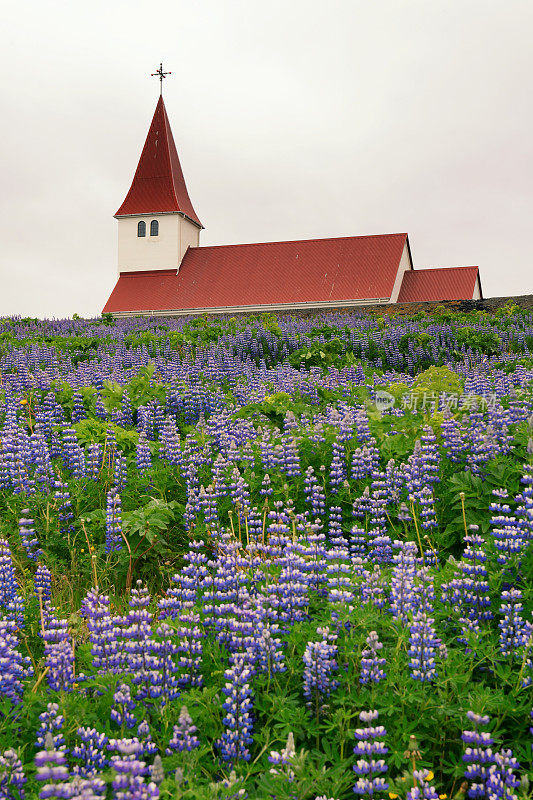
(163, 269)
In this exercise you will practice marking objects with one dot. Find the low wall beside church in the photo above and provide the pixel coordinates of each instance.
(488, 304)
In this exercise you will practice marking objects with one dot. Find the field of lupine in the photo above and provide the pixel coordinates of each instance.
(267, 557)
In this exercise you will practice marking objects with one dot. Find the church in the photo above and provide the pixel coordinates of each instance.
(163, 270)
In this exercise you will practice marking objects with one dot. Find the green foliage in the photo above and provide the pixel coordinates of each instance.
(322, 355)
(275, 407)
(411, 340)
(95, 430)
(438, 379)
(487, 342)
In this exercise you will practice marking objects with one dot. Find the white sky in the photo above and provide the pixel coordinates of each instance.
(292, 118)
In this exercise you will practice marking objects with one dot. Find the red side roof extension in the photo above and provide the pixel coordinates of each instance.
(444, 283)
(270, 273)
(155, 290)
(158, 185)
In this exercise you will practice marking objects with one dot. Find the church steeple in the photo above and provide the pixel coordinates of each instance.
(158, 186)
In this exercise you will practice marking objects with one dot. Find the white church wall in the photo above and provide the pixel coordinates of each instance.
(189, 237)
(164, 251)
(148, 252)
(405, 264)
(477, 293)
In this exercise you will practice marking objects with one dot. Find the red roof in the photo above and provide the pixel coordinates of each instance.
(158, 185)
(154, 290)
(445, 283)
(270, 273)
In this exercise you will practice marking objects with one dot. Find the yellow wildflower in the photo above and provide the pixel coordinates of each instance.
(430, 776)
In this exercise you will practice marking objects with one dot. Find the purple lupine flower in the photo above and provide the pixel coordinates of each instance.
(402, 594)
(104, 633)
(501, 778)
(426, 503)
(113, 526)
(43, 584)
(44, 471)
(337, 471)
(149, 748)
(283, 760)
(120, 471)
(268, 648)
(290, 463)
(320, 664)
(130, 770)
(78, 408)
(51, 725)
(423, 643)
(93, 461)
(314, 493)
(100, 410)
(506, 529)
(141, 659)
(64, 509)
(51, 766)
(371, 664)
(238, 719)
(469, 590)
(266, 487)
(90, 752)
(127, 409)
(72, 454)
(184, 594)
(368, 751)
(515, 632)
(14, 668)
(184, 734)
(208, 502)
(28, 537)
(12, 777)
(339, 575)
(123, 706)
(58, 653)
(10, 599)
(424, 790)
(289, 597)
(372, 591)
(478, 755)
(165, 684)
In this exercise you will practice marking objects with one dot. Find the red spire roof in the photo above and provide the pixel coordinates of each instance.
(158, 186)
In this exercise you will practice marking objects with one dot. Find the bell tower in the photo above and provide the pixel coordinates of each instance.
(157, 221)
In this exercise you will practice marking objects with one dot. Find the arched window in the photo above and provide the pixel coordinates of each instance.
(154, 228)
(141, 228)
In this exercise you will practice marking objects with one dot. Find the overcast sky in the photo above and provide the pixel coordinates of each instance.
(293, 119)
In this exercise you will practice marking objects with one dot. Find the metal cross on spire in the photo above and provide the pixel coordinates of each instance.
(160, 74)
